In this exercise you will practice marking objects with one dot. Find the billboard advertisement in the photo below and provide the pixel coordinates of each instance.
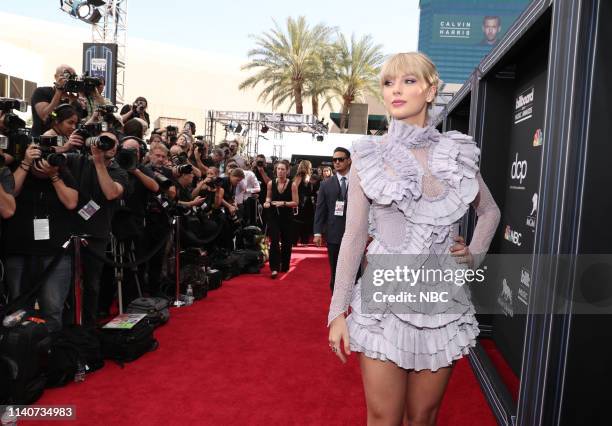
(100, 60)
(458, 34)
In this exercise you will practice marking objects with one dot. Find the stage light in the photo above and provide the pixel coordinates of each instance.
(84, 10)
(319, 138)
(264, 128)
(238, 128)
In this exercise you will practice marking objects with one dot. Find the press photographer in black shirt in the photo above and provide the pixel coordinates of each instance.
(7, 200)
(43, 222)
(101, 183)
(129, 219)
(46, 99)
(137, 110)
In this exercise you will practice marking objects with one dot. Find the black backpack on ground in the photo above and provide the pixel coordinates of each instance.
(156, 308)
(23, 361)
(73, 347)
(215, 279)
(126, 345)
(195, 276)
(250, 261)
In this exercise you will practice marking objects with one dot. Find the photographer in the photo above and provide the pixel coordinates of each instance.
(247, 193)
(7, 200)
(137, 110)
(227, 192)
(262, 173)
(45, 99)
(43, 222)
(135, 127)
(157, 219)
(129, 220)
(234, 147)
(180, 157)
(101, 183)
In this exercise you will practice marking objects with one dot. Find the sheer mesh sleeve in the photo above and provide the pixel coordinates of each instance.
(352, 247)
(488, 219)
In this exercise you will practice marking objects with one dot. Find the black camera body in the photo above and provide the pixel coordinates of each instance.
(91, 134)
(108, 112)
(47, 145)
(127, 158)
(11, 121)
(84, 84)
(163, 182)
(184, 169)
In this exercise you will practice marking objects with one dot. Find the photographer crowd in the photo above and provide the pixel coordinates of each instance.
(86, 170)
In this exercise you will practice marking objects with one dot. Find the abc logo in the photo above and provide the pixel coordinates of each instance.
(513, 236)
(519, 169)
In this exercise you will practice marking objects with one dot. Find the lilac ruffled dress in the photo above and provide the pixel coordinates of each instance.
(409, 190)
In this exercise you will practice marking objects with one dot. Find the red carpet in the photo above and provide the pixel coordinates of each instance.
(253, 353)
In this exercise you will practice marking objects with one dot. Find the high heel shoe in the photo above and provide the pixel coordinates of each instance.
(274, 274)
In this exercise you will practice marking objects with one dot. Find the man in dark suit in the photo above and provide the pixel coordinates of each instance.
(330, 214)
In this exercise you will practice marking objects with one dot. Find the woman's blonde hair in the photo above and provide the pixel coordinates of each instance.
(304, 168)
(415, 63)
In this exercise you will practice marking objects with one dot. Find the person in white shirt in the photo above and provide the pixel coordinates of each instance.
(247, 193)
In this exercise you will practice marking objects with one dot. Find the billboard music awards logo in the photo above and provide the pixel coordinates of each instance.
(513, 236)
(505, 299)
(523, 106)
(537, 138)
(518, 172)
(531, 218)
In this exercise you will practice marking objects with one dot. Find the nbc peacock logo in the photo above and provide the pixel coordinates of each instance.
(537, 138)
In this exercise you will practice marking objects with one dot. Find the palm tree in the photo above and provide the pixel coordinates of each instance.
(357, 68)
(285, 60)
(322, 80)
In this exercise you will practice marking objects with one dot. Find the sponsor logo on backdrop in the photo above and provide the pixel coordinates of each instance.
(523, 295)
(513, 236)
(525, 277)
(505, 299)
(531, 219)
(518, 172)
(537, 138)
(523, 106)
(451, 28)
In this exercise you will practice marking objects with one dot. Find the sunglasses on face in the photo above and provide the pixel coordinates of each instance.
(338, 159)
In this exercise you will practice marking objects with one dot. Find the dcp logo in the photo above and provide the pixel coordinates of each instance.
(519, 169)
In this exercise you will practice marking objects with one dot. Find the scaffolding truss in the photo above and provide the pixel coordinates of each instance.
(112, 28)
(250, 127)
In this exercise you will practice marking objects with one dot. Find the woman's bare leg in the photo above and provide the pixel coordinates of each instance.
(424, 392)
(385, 391)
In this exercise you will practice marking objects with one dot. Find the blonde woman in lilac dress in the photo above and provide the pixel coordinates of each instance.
(408, 190)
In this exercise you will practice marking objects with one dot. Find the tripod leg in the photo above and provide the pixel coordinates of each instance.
(132, 259)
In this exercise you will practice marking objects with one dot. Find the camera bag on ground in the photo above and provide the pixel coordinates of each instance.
(194, 275)
(24, 351)
(156, 308)
(73, 348)
(126, 345)
(250, 261)
(215, 279)
(24, 346)
(229, 264)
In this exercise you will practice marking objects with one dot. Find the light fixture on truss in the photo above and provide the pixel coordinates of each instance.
(84, 10)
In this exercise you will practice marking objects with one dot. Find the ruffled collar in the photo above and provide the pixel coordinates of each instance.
(412, 136)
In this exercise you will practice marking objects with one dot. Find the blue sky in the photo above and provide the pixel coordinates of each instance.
(224, 25)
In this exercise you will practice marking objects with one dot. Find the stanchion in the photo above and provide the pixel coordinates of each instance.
(177, 261)
(77, 273)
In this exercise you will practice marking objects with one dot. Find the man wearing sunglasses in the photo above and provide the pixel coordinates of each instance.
(330, 213)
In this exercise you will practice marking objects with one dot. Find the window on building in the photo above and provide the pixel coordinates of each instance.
(3, 85)
(30, 86)
(16, 88)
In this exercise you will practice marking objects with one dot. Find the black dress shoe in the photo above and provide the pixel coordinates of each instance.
(274, 274)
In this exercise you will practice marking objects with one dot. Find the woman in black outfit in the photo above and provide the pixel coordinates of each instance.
(305, 215)
(281, 198)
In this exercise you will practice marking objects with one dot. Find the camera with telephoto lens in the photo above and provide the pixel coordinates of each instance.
(107, 112)
(138, 107)
(163, 182)
(84, 84)
(184, 169)
(91, 134)
(47, 145)
(127, 158)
